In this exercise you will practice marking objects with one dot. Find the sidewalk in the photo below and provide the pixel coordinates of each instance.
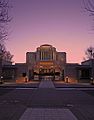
(46, 103)
(13, 84)
(46, 84)
(60, 84)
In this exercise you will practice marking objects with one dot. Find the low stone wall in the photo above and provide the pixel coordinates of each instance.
(84, 81)
(22, 80)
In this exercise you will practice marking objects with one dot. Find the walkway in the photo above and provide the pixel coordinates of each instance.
(47, 114)
(46, 84)
(47, 102)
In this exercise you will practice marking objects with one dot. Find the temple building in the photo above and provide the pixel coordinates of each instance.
(47, 63)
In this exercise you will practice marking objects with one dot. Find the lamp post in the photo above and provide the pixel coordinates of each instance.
(67, 78)
(1, 78)
(92, 81)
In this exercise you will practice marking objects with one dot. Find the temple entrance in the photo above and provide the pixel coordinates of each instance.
(46, 74)
(45, 70)
(42, 77)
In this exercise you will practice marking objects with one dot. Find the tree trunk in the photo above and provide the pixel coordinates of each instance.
(0, 69)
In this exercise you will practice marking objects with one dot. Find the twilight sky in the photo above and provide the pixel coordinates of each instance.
(62, 23)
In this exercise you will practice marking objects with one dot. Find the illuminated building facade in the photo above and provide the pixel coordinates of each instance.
(46, 61)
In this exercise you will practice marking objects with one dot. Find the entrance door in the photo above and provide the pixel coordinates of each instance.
(46, 74)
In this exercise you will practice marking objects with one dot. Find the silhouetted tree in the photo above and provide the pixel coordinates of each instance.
(89, 6)
(4, 20)
(89, 53)
(5, 57)
(4, 54)
(8, 56)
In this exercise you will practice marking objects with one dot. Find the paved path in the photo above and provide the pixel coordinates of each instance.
(47, 114)
(46, 84)
(46, 104)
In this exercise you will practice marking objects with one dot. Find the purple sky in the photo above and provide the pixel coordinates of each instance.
(61, 23)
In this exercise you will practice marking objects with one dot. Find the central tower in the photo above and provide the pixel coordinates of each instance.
(46, 61)
(46, 53)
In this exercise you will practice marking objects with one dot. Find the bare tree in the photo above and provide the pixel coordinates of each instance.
(89, 6)
(4, 20)
(8, 56)
(4, 54)
(89, 53)
(2, 51)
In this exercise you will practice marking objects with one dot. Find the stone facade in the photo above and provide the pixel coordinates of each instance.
(77, 73)
(47, 62)
(91, 64)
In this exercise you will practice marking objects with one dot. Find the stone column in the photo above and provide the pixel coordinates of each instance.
(44, 55)
(40, 55)
(52, 55)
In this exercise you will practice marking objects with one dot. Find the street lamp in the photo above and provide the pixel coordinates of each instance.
(1, 80)
(92, 81)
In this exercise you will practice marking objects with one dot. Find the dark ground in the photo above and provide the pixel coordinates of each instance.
(14, 101)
